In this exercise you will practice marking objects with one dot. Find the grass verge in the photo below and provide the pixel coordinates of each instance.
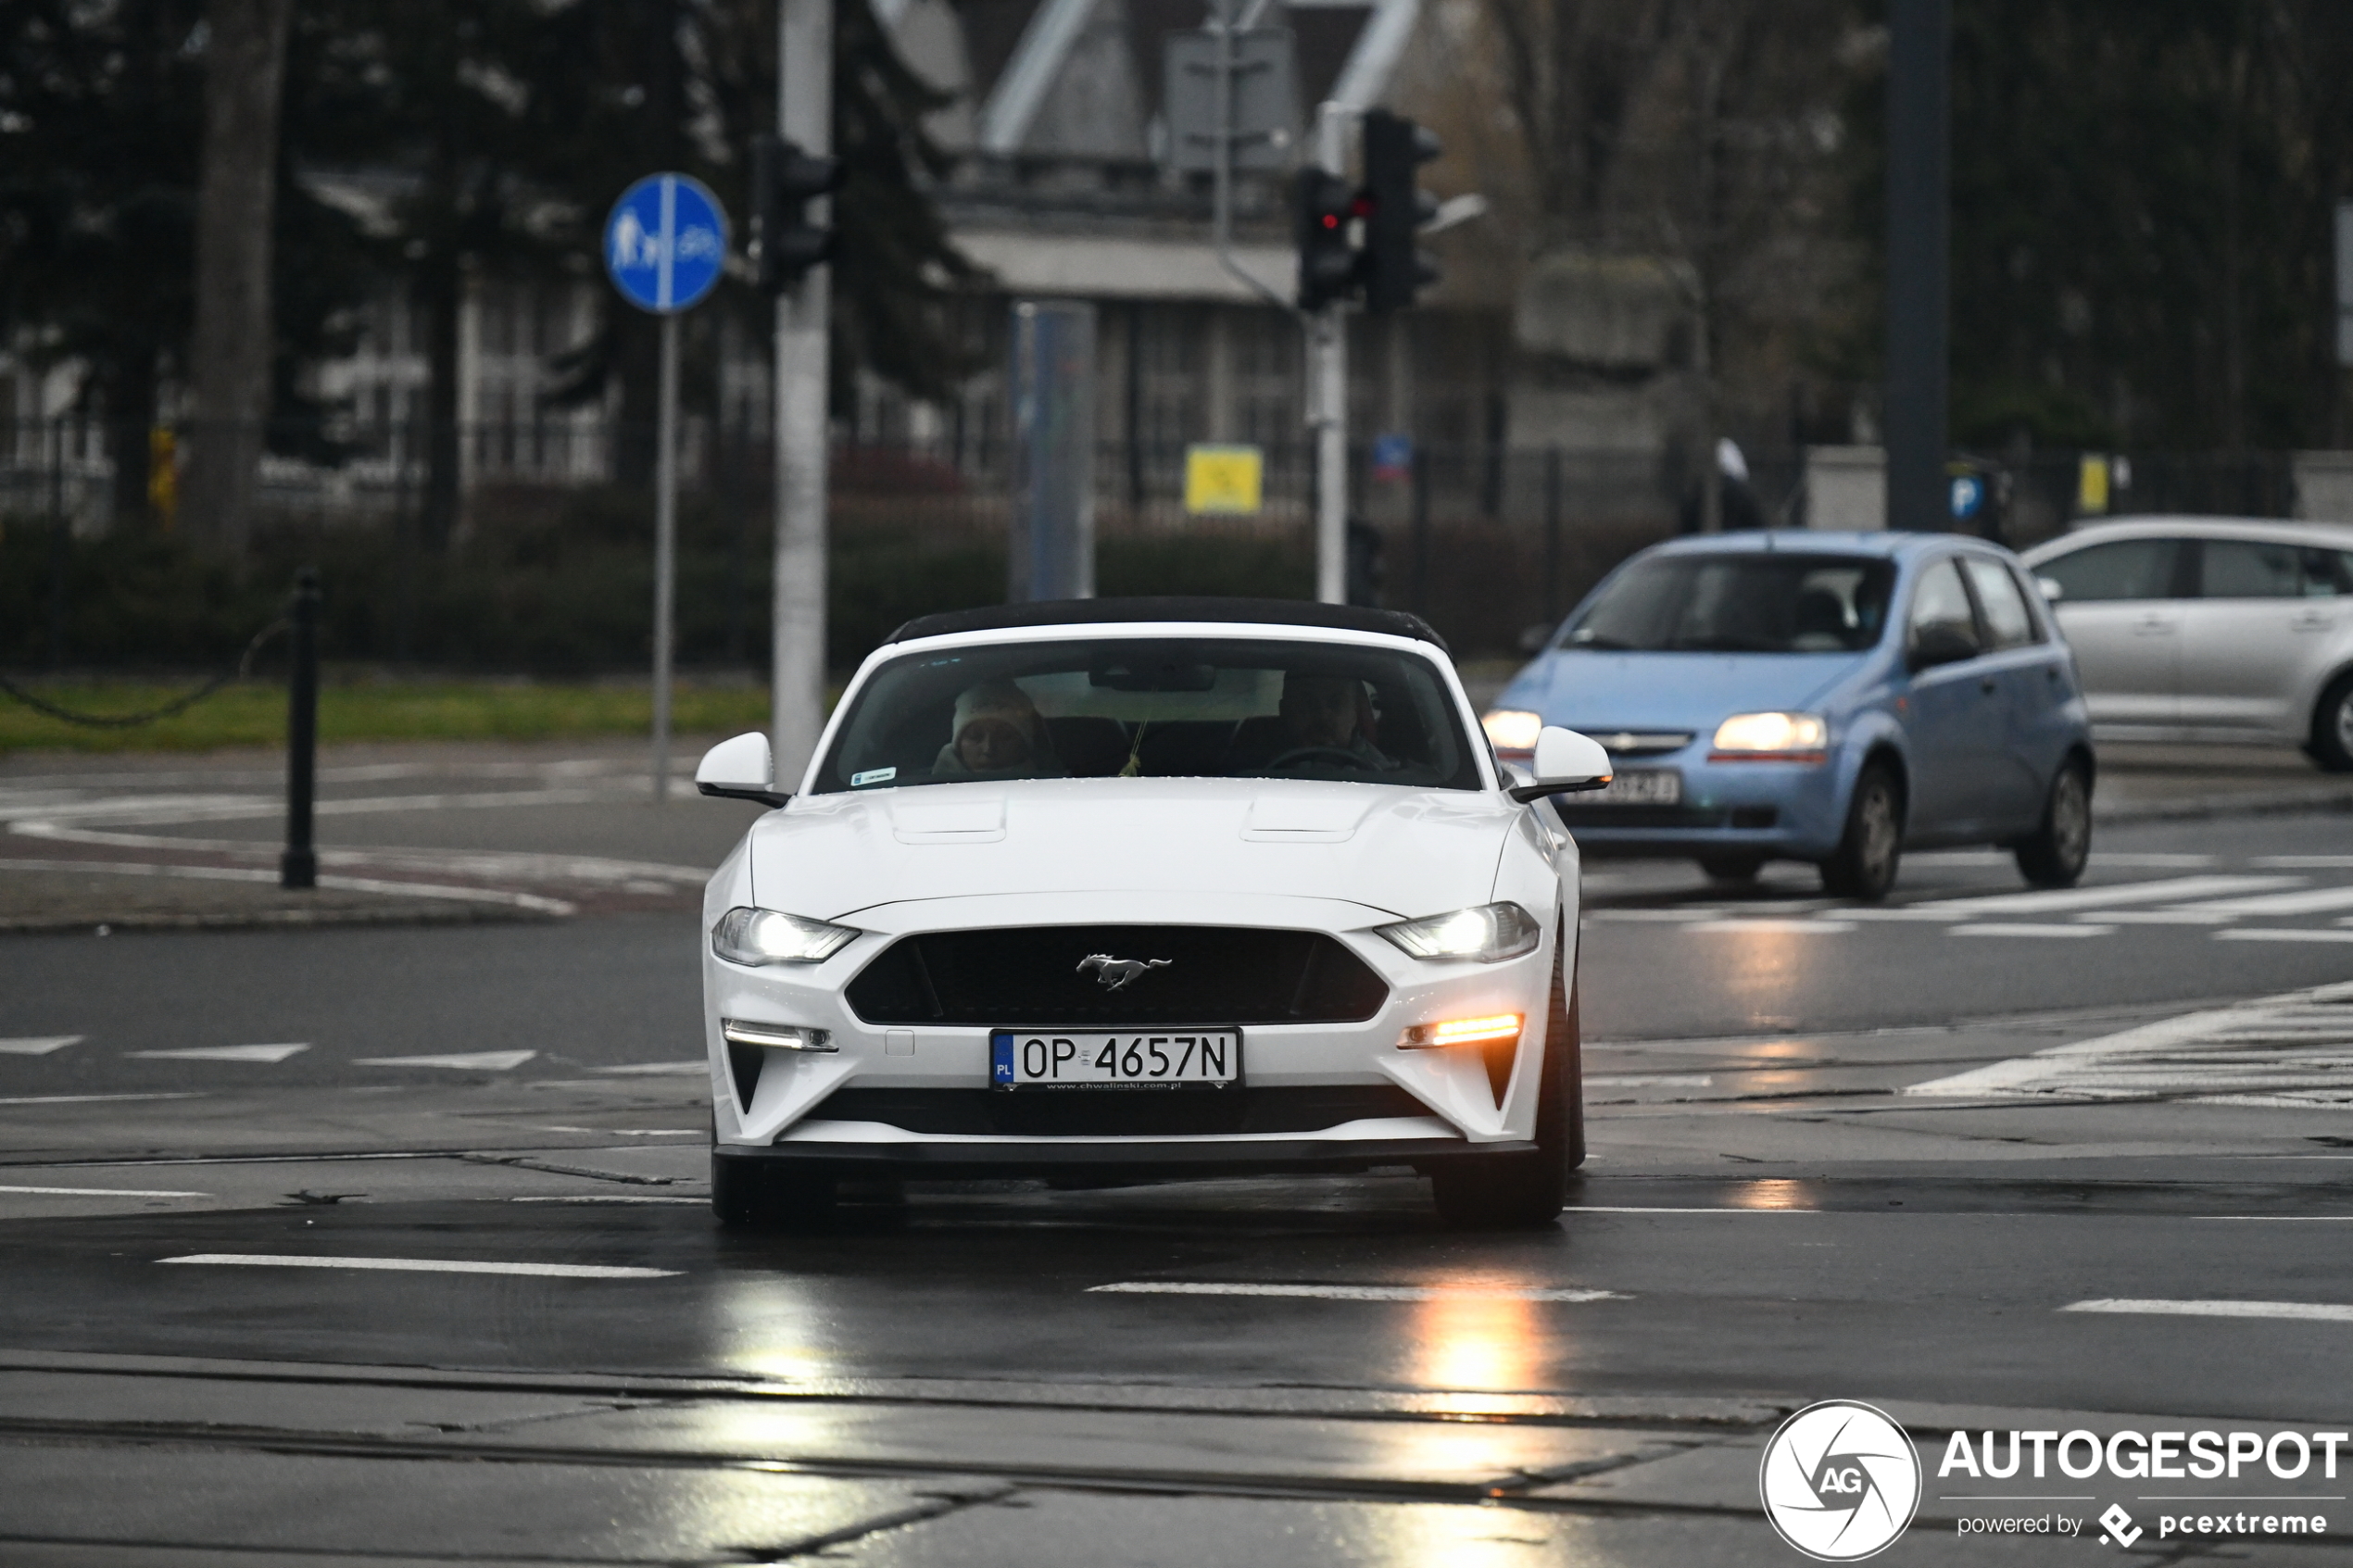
(254, 713)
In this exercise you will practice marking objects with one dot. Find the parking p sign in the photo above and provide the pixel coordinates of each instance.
(666, 243)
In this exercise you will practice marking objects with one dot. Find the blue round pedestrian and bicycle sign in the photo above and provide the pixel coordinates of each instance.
(666, 243)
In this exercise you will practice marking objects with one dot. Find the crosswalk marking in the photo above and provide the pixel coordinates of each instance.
(2296, 1049)
(2166, 890)
(38, 1044)
(475, 1061)
(98, 1192)
(2281, 934)
(224, 1053)
(422, 1265)
(2306, 901)
(2023, 928)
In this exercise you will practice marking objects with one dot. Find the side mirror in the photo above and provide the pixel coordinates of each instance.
(1939, 642)
(2051, 588)
(1565, 763)
(739, 770)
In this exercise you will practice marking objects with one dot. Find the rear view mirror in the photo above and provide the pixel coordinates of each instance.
(1940, 643)
(1565, 763)
(2051, 588)
(740, 769)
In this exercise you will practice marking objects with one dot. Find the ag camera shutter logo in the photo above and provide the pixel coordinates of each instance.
(1840, 1481)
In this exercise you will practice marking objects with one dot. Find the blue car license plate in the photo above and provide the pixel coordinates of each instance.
(1125, 1058)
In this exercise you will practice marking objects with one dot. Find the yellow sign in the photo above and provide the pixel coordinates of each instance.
(163, 476)
(1226, 479)
(2090, 485)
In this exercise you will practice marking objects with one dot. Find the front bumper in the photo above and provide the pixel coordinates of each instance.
(1793, 810)
(1449, 1104)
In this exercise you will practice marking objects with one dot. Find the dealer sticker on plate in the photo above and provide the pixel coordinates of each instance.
(1181, 1059)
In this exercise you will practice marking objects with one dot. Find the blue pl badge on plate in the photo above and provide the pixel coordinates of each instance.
(1000, 1058)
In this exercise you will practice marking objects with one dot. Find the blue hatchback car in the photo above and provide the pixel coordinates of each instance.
(1831, 697)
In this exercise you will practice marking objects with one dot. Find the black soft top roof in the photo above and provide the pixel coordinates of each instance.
(1085, 612)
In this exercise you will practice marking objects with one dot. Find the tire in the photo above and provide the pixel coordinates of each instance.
(1871, 848)
(2332, 745)
(1526, 1191)
(1737, 869)
(2055, 856)
(757, 1195)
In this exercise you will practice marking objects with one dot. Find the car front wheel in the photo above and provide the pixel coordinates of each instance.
(1526, 1191)
(1870, 850)
(2332, 728)
(752, 1195)
(2056, 855)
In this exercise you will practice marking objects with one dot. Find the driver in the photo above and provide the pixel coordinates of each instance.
(997, 734)
(1326, 713)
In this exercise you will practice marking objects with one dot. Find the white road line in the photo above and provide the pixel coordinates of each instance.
(2307, 901)
(642, 1132)
(2022, 928)
(476, 1061)
(1654, 1208)
(224, 1053)
(2168, 890)
(2304, 1311)
(38, 1044)
(609, 1198)
(99, 1192)
(1648, 1079)
(659, 1069)
(2305, 862)
(1799, 927)
(2274, 933)
(86, 1100)
(1351, 1292)
(423, 1266)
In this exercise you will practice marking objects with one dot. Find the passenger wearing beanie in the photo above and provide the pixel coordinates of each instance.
(998, 734)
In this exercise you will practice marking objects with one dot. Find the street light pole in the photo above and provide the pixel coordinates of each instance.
(1919, 259)
(804, 117)
(1327, 393)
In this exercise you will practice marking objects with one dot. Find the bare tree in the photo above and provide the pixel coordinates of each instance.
(244, 74)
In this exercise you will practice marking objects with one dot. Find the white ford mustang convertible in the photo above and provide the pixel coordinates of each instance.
(1117, 889)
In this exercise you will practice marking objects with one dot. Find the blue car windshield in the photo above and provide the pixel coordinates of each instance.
(1750, 602)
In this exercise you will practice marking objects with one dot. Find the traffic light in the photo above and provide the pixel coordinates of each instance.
(784, 243)
(1327, 260)
(1393, 270)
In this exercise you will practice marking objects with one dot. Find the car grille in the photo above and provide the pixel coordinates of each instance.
(1030, 976)
(1046, 1113)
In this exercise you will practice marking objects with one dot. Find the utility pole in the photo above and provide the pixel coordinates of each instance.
(1919, 259)
(805, 118)
(1328, 390)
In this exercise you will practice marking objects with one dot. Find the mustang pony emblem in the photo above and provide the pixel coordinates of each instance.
(1112, 973)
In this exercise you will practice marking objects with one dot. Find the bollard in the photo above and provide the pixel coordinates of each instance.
(299, 867)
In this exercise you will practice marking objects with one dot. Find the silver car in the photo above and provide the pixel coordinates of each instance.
(2213, 629)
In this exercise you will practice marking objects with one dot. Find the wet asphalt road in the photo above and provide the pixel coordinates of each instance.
(1284, 1372)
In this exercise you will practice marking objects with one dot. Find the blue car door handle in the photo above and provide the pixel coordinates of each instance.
(1987, 685)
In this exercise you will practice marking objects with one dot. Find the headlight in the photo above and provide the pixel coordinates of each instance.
(1490, 933)
(1511, 730)
(1772, 734)
(763, 936)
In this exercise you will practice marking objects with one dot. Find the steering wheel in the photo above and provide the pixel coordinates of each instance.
(1308, 753)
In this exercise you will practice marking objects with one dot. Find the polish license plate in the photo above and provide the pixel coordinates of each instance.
(1125, 1058)
(1639, 786)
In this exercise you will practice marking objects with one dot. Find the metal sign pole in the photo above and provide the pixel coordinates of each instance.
(804, 117)
(665, 551)
(1327, 392)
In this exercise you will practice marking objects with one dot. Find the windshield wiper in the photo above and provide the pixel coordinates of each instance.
(1597, 644)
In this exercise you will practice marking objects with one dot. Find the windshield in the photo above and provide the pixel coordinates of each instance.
(1747, 603)
(1151, 708)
